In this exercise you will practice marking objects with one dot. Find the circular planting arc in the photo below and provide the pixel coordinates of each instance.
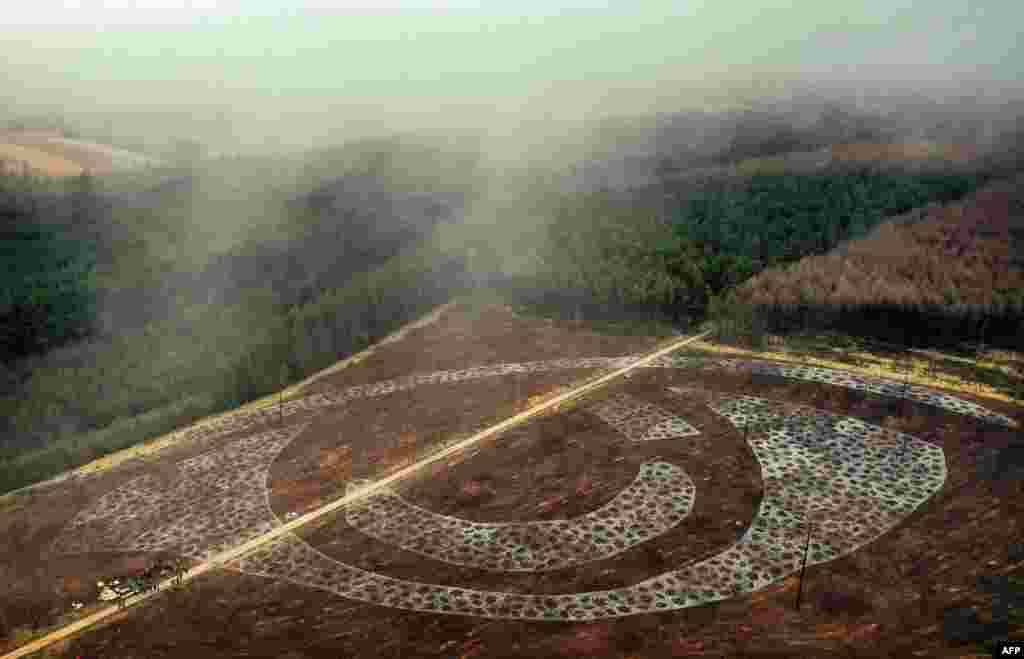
(854, 481)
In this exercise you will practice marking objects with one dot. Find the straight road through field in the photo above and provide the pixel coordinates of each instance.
(350, 498)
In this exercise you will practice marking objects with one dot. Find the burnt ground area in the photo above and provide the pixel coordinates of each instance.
(369, 438)
(560, 466)
(564, 466)
(38, 589)
(492, 334)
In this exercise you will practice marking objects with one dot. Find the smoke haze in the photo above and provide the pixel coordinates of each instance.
(540, 89)
(265, 76)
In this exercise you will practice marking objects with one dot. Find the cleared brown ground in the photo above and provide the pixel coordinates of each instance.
(93, 160)
(14, 157)
(536, 472)
(48, 153)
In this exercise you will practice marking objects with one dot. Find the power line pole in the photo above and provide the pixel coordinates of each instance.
(803, 565)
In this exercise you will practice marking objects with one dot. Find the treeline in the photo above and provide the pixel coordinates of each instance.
(48, 291)
(302, 283)
(40, 123)
(258, 350)
(599, 255)
(318, 240)
(184, 330)
(310, 337)
(209, 232)
(760, 133)
(406, 162)
(773, 218)
(938, 276)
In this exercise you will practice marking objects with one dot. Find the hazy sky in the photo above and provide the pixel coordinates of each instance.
(285, 69)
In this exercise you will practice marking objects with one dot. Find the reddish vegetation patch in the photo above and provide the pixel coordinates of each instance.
(73, 585)
(768, 615)
(866, 633)
(549, 505)
(136, 565)
(336, 464)
(300, 494)
(472, 648)
(584, 487)
(586, 641)
(688, 648)
(472, 489)
(765, 595)
(404, 452)
(376, 455)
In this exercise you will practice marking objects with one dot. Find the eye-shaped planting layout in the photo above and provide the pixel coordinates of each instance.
(852, 480)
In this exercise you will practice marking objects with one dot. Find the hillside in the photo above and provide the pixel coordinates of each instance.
(529, 331)
(226, 281)
(932, 276)
(674, 248)
(318, 269)
(271, 244)
(475, 554)
(50, 153)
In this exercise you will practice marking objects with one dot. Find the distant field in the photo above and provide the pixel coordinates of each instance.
(803, 162)
(49, 149)
(14, 157)
(117, 157)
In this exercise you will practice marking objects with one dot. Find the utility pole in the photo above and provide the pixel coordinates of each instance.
(803, 565)
(907, 366)
(285, 370)
(280, 400)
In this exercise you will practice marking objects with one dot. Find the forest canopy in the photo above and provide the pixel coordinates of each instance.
(603, 253)
(47, 293)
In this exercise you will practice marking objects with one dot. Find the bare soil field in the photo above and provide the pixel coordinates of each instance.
(651, 519)
(53, 155)
(15, 156)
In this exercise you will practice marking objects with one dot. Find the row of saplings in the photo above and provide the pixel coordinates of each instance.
(121, 587)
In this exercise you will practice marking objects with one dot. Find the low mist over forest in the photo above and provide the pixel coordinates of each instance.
(201, 208)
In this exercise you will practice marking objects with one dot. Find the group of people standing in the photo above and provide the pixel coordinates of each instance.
(149, 580)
